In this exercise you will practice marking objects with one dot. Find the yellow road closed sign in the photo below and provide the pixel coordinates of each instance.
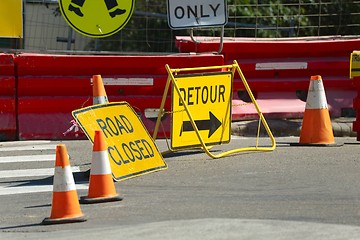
(132, 152)
(208, 99)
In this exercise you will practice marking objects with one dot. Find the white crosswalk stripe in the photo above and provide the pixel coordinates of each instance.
(34, 189)
(31, 172)
(28, 158)
(10, 178)
(28, 148)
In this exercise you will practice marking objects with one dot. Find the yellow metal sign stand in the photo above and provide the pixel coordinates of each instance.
(173, 76)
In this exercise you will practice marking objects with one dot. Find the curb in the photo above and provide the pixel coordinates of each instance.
(342, 127)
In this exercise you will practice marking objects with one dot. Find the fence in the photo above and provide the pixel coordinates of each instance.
(148, 31)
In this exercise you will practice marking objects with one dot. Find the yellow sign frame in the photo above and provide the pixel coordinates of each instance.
(233, 68)
(131, 149)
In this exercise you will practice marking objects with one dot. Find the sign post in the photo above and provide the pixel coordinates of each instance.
(183, 14)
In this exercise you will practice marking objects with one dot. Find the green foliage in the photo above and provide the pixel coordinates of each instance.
(148, 30)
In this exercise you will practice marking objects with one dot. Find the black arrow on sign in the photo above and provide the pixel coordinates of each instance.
(211, 124)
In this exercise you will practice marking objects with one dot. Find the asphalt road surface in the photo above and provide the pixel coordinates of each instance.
(289, 193)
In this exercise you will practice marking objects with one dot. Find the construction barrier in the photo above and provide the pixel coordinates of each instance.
(7, 98)
(316, 129)
(65, 207)
(278, 71)
(50, 87)
(101, 185)
(39, 91)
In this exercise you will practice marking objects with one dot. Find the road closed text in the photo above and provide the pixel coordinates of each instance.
(127, 151)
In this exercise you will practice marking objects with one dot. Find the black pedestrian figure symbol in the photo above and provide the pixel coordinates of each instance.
(75, 6)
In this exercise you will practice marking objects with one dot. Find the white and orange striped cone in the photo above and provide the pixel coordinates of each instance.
(99, 97)
(101, 184)
(99, 94)
(316, 127)
(65, 203)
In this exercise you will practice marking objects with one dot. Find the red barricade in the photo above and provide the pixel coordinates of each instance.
(356, 104)
(51, 86)
(278, 71)
(7, 98)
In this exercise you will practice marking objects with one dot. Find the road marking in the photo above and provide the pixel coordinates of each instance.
(28, 158)
(28, 148)
(31, 172)
(20, 173)
(8, 190)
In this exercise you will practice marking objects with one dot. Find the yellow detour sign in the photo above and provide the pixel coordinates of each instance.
(132, 152)
(97, 18)
(355, 64)
(11, 18)
(208, 99)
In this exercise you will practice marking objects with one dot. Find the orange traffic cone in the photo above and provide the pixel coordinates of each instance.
(99, 94)
(65, 202)
(101, 185)
(316, 127)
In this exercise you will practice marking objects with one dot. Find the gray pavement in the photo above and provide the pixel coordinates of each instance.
(210, 229)
(342, 127)
(291, 193)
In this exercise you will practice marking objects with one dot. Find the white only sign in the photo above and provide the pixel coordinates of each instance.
(196, 13)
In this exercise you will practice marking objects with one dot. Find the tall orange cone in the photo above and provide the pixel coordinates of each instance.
(101, 185)
(65, 202)
(99, 94)
(316, 127)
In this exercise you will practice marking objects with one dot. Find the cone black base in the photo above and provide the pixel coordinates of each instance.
(87, 200)
(49, 221)
(316, 144)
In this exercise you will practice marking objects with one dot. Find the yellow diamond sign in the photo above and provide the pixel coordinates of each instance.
(132, 152)
(208, 99)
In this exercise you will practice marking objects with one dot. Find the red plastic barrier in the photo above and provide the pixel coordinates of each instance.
(356, 104)
(277, 48)
(51, 86)
(7, 98)
(278, 71)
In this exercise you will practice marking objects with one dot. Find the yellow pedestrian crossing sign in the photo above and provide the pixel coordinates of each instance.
(97, 18)
(208, 98)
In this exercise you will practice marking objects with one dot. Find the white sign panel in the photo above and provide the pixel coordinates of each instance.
(196, 13)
